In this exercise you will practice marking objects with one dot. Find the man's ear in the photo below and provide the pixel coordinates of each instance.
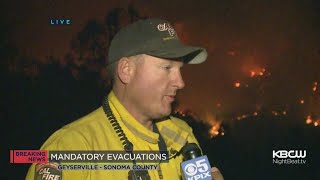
(124, 70)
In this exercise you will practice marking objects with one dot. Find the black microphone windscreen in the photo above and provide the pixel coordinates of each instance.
(191, 151)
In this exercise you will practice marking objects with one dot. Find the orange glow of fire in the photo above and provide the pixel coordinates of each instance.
(218, 105)
(252, 73)
(257, 72)
(275, 113)
(308, 121)
(231, 53)
(214, 130)
(214, 124)
(314, 88)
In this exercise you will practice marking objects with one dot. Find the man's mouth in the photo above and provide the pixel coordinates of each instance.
(170, 98)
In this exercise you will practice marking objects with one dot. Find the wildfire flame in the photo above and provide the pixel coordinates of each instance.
(237, 84)
(257, 72)
(214, 124)
(214, 130)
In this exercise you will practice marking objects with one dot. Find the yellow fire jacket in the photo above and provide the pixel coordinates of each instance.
(95, 132)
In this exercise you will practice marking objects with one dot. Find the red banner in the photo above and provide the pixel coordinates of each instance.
(28, 156)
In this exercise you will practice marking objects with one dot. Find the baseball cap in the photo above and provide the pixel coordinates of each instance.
(154, 37)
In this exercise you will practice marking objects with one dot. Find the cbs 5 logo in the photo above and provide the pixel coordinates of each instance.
(200, 166)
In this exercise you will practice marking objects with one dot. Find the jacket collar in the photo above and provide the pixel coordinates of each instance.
(174, 136)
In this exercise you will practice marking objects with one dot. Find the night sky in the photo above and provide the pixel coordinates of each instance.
(279, 36)
(264, 58)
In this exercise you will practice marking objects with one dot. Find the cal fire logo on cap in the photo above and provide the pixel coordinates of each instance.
(49, 171)
(166, 27)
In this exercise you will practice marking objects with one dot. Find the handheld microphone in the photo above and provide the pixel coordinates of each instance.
(138, 175)
(196, 166)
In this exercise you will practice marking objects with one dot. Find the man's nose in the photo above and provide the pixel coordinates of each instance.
(179, 83)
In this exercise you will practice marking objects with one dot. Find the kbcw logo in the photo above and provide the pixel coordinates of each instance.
(196, 169)
(289, 154)
(166, 27)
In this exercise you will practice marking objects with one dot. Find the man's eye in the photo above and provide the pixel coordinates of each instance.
(166, 67)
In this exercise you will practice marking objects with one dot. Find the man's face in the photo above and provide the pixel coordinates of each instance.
(154, 85)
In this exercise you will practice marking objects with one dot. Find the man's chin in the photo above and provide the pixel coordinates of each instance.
(166, 114)
(163, 114)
